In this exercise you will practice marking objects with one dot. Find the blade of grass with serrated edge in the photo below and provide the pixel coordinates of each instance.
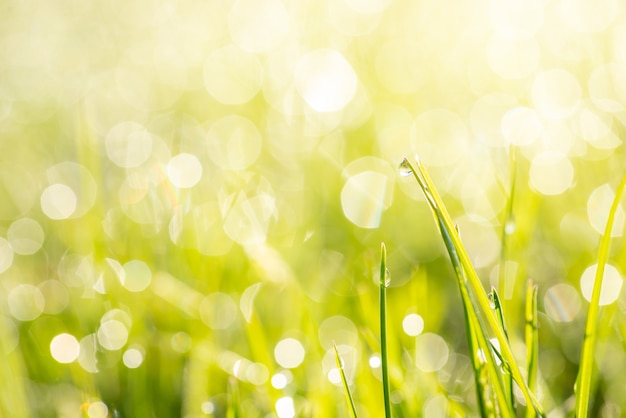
(344, 382)
(477, 328)
(532, 338)
(583, 381)
(508, 379)
(440, 212)
(383, 283)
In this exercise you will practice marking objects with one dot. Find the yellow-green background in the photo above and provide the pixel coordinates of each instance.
(292, 117)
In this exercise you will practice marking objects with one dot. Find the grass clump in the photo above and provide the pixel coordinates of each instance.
(496, 370)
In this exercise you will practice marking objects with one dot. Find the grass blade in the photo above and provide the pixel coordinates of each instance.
(476, 329)
(233, 399)
(384, 282)
(480, 379)
(583, 381)
(344, 382)
(532, 338)
(480, 300)
(508, 380)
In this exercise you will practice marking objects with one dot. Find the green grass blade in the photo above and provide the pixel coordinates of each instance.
(344, 382)
(532, 338)
(480, 301)
(480, 379)
(583, 381)
(233, 399)
(508, 379)
(508, 227)
(476, 328)
(384, 282)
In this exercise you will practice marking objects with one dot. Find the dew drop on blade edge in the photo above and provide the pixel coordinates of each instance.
(387, 278)
(405, 169)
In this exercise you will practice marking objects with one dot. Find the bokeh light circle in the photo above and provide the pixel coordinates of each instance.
(6, 255)
(289, 353)
(26, 236)
(128, 144)
(218, 310)
(325, 80)
(611, 284)
(413, 325)
(137, 276)
(363, 198)
(521, 126)
(132, 358)
(58, 201)
(65, 348)
(26, 302)
(431, 352)
(598, 208)
(112, 334)
(562, 302)
(184, 170)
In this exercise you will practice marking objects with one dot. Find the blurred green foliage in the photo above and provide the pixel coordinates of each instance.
(185, 185)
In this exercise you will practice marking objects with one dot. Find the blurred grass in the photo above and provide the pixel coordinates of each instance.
(283, 244)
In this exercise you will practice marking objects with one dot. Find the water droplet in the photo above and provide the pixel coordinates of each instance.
(387, 278)
(492, 300)
(405, 168)
(509, 227)
(505, 368)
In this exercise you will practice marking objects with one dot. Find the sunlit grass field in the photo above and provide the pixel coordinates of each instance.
(193, 196)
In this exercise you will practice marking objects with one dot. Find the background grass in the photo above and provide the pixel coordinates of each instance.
(298, 114)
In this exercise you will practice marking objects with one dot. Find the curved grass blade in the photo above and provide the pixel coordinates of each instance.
(344, 382)
(532, 338)
(480, 300)
(384, 282)
(484, 352)
(583, 381)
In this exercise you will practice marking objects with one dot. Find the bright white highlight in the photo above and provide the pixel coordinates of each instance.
(285, 407)
(64, 348)
(413, 325)
(289, 353)
(184, 170)
(325, 80)
(611, 284)
(112, 334)
(58, 201)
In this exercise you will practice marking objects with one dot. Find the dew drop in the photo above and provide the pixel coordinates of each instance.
(492, 300)
(405, 168)
(387, 278)
(505, 368)
(509, 226)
